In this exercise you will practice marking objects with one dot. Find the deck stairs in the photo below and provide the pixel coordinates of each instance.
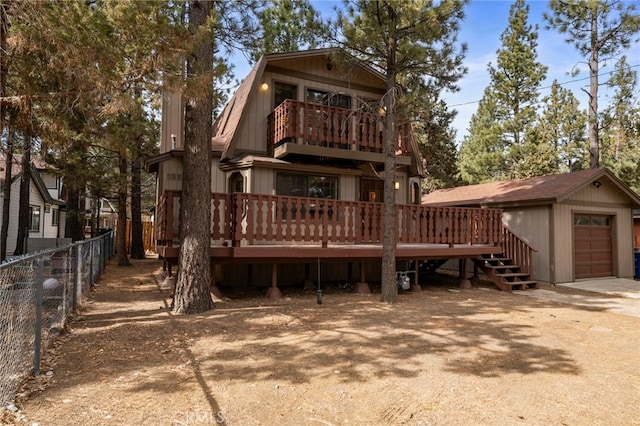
(505, 273)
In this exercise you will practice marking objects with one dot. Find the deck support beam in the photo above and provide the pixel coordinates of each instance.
(415, 285)
(274, 292)
(308, 281)
(465, 284)
(216, 294)
(362, 287)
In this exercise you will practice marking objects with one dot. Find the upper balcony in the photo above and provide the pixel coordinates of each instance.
(299, 128)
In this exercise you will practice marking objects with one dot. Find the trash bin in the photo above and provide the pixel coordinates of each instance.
(637, 263)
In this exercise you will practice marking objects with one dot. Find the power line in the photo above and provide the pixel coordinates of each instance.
(548, 87)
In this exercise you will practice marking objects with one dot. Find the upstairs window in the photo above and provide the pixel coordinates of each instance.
(284, 91)
(328, 98)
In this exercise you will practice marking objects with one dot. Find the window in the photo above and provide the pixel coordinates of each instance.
(236, 183)
(284, 91)
(307, 185)
(325, 98)
(34, 218)
(55, 217)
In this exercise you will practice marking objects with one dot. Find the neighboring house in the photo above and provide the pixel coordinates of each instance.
(581, 223)
(297, 180)
(107, 215)
(46, 209)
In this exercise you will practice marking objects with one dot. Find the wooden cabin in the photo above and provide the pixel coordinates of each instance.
(297, 181)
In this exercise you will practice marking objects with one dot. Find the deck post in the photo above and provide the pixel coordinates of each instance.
(308, 281)
(216, 294)
(362, 287)
(274, 292)
(465, 284)
(415, 285)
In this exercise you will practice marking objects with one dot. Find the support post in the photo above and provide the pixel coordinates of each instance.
(216, 294)
(415, 285)
(362, 287)
(274, 292)
(465, 284)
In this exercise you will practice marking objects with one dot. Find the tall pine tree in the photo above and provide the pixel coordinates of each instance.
(599, 30)
(403, 39)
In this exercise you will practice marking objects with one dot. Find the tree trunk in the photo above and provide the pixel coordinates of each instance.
(193, 287)
(25, 191)
(4, 231)
(74, 218)
(389, 288)
(137, 242)
(121, 225)
(6, 205)
(594, 143)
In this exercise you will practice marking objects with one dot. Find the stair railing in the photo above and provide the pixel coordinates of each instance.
(519, 250)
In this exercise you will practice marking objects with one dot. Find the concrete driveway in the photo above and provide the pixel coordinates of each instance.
(619, 295)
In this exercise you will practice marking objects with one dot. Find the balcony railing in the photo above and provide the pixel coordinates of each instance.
(255, 219)
(331, 127)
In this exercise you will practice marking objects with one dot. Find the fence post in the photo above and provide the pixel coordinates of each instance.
(75, 275)
(38, 323)
(91, 264)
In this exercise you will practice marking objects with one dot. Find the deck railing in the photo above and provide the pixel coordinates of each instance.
(332, 127)
(258, 219)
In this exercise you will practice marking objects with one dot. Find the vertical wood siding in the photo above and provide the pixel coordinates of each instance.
(532, 224)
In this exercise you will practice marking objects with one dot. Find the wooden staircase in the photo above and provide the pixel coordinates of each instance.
(506, 275)
(512, 269)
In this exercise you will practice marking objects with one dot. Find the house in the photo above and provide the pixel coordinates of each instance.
(297, 180)
(46, 209)
(581, 223)
(102, 212)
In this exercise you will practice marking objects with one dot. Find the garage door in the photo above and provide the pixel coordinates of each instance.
(593, 249)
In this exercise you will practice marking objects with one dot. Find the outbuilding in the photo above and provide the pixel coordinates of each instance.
(580, 223)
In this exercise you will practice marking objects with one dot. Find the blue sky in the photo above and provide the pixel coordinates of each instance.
(484, 23)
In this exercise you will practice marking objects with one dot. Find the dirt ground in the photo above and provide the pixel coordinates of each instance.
(438, 357)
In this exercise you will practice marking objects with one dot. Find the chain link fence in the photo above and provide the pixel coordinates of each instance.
(38, 293)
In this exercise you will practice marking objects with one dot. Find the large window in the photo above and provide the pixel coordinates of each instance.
(34, 218)
(298, 185)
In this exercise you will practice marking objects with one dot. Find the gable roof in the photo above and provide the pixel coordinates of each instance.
(36, 179)
(537, 190)
(230, 120)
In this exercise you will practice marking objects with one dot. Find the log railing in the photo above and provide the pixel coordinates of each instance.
(252, 219)
(332, 127)
(518, 250)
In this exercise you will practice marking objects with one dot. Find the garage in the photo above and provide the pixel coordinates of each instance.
(580, 224)
(593, 248)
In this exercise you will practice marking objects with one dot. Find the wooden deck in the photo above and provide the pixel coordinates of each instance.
(297, 229)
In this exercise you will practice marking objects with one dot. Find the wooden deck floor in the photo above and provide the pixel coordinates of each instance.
(353, 252)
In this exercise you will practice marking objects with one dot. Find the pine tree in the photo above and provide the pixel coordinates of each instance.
(515, 82)
(599, 30)
(482, 157)
(288, 26)
(563, 125)
(621, 129)
(405, 41)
